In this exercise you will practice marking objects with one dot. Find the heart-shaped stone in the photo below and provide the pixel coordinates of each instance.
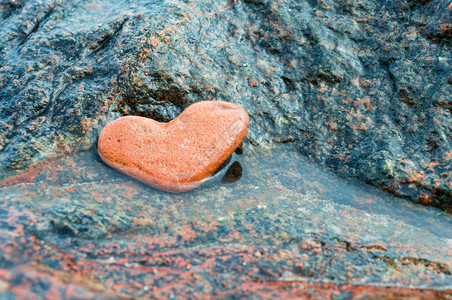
(179, 155)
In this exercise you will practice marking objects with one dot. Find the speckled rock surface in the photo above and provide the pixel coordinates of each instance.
(362, 87)
(76, 228)
(179, 155)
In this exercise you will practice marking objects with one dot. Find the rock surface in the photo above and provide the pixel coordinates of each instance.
(179, 155)
(76, 228)
(360, 86)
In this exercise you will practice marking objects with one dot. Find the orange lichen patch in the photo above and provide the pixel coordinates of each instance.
(366, 101)
(415, 177)
(425, 199)
(449, 155)
(252, 82)
(432, 165)
(175, 156)
(445, 27)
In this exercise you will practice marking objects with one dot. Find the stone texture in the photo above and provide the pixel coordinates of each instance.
(360, 86)
(179, 155)
(74, 227)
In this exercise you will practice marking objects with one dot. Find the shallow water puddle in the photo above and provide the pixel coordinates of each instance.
(285, 220)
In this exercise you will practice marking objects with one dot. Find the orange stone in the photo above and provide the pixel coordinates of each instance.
(179, 155)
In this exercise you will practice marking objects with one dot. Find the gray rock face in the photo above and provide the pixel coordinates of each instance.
(362, 87)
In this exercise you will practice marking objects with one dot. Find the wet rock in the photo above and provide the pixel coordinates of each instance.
(179, 155)
(286, 228)
(87, 223)
(362, 87)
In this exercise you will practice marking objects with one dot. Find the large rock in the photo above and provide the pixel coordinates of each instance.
(72, 227)
(360, 86)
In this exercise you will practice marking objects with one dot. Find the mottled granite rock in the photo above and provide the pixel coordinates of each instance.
(76, 228)
(360, 86)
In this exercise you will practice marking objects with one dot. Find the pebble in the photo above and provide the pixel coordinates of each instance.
(179, 155)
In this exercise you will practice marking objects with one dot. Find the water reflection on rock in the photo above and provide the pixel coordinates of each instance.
(285, 225)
